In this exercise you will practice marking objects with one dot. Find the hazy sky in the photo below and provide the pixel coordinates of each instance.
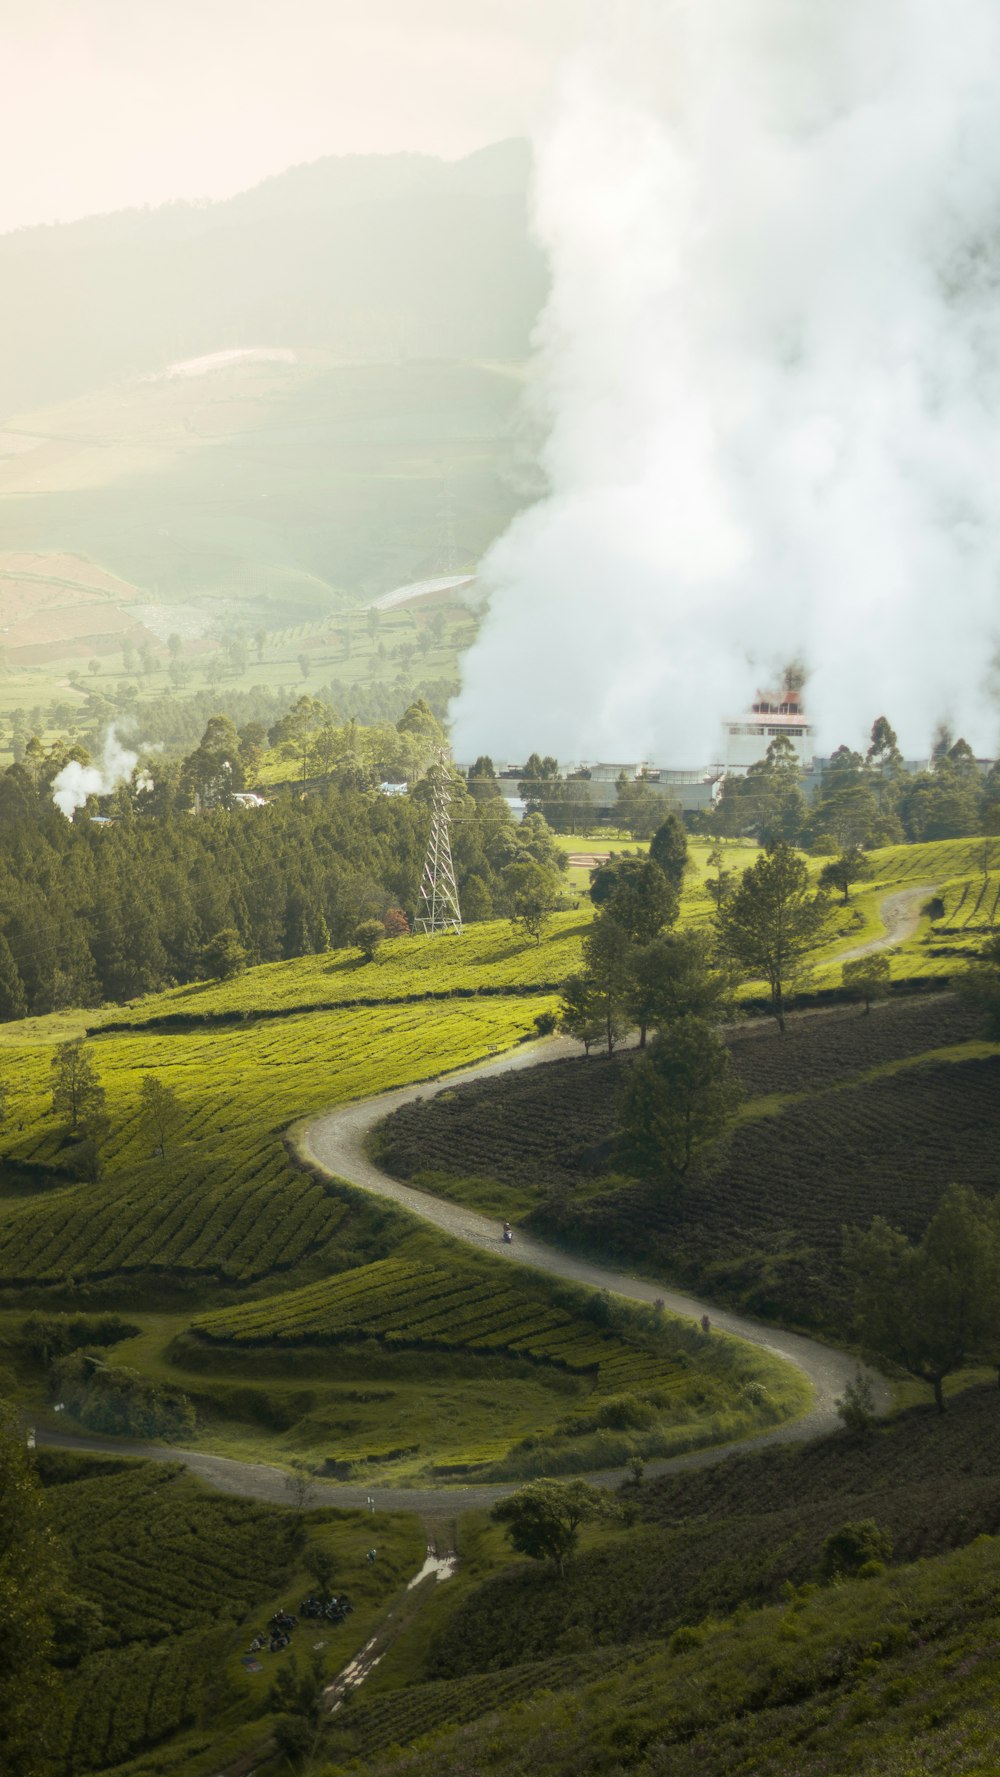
(115, 102)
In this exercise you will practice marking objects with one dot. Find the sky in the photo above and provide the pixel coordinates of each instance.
(111, 103)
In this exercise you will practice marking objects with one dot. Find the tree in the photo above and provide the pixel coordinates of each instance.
(607, 965)
(161, 1110)
(253, 740)
(928, 1306)
(867, 978)
(718, 889)
(77, 1093)
(851, 866)
(944, 803)
(637, 894)
(224, 955)
(679, 1101)
(13, 1002)
(669, 848)
(543, 1519)
(476, 899)
(214, 770)
(638, 809)
(299, 1487)
(533, 893)
(674, 977)
(581, 1011)
(298, 728)
(321, 1565)
(483, 778)
(771, 921)
(368, 936)
(990, 808)
(856, 1406)
(768, 801)
(883, 755)
(296, 1701)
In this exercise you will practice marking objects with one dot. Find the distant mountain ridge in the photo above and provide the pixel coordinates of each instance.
(376, 257)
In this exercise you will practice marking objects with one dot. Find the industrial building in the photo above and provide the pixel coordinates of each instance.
(746, 738)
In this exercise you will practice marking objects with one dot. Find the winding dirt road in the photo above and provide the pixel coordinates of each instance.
(335, 1143)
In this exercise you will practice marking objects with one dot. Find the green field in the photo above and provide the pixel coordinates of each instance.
(225, 1218)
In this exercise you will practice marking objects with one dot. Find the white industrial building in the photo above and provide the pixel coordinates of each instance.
(773, 713)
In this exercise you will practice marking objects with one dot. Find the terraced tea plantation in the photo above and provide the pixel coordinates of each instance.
(224, 1202)
(846, 1117)
(635, 1382)
(484, 960)
(176, 1580)
(423, 1340)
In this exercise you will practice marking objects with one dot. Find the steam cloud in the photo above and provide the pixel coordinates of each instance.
(74, 783)
(770, 372)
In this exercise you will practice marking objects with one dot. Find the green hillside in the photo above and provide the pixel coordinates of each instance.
(225, 1218)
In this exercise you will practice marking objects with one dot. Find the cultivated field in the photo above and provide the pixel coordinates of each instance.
(176, 1582)
(846, 1117)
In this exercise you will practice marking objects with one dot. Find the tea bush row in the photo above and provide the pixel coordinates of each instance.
(763, 1227)
(866, 1679)
(399, 1717)
(410, 1303)
(159, 1555)
(224, 1201)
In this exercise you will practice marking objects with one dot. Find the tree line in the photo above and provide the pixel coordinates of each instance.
(162, 896)
(863, 799)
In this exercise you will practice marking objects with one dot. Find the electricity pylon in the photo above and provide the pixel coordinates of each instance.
(438, 888)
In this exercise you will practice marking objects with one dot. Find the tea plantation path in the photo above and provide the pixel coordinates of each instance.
(900, 914)
(335, 1145)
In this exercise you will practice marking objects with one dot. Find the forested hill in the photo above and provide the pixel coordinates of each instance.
(179, 882)
(378, 257)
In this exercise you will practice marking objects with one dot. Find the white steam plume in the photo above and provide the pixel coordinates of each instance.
(770, 368)
(74, 783)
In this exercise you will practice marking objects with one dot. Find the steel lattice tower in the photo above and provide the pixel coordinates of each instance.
(438, 888)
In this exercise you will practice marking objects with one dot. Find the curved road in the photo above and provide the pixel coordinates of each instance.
(335, 1143)
(900, 914)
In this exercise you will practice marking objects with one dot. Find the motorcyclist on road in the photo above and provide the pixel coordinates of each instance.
(508, 1232)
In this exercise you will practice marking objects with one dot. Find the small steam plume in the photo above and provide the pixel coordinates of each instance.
(74, 783)
(770, 374)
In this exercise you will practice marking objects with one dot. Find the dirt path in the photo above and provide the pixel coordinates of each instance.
(350, 1678)
(900, 914)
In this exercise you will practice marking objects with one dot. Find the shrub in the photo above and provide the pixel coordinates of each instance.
(854, 1548)
(368, 936)
(856, 1406)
